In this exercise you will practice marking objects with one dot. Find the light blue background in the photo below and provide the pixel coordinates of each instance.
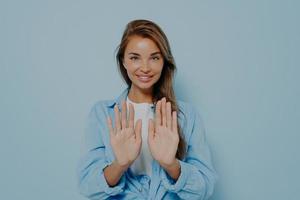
(238, 61)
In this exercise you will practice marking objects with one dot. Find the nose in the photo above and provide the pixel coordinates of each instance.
(145, 66)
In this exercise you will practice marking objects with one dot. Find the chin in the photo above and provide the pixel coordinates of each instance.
(144, 86)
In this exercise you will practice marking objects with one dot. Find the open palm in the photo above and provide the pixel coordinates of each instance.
(163, 135)
(124, 138)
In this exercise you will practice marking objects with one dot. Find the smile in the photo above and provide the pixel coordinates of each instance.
(144, 78)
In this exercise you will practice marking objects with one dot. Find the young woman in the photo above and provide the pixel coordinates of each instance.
(145, 144)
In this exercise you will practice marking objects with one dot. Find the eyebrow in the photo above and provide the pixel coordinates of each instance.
(154, 53)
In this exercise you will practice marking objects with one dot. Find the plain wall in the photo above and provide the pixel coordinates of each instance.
(238, 62)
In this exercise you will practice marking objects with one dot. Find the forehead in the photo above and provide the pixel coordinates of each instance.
(141, 44)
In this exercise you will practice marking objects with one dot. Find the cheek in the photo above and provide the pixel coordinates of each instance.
(158, 68)
(130, 72)
(157, 74)
(130, 66)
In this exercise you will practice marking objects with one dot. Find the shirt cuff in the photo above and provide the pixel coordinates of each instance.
(118, 188)
(175, 186)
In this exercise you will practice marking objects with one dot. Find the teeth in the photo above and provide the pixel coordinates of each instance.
(145, 78)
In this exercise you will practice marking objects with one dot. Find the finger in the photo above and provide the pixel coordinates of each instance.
(169, 115)
(117, 118)
(157, 115)
(124, 114)
(150, 129)
(131, 116)
(164, 118)
(111, 130)
(138, 129)
(174, 121)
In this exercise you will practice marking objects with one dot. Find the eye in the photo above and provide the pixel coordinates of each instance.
(133, 58)
(155, 58)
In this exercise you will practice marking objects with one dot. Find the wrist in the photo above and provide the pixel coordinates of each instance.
(173, 165)
(120, 167)
(174, 169)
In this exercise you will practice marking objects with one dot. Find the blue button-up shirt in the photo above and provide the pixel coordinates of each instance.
(197, 177)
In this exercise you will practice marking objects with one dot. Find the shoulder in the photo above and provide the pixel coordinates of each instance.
(99, 108)
(187, 108)
(102, 108)
(100, 104)
(189, 117)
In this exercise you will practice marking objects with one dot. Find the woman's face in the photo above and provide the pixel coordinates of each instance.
(143, 61)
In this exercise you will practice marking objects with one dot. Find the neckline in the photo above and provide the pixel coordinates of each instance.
(143, 103)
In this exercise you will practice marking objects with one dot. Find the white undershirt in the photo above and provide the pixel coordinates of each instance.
(142, 165)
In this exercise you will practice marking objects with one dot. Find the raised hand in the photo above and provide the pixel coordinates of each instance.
(125, 140)
(163, 136)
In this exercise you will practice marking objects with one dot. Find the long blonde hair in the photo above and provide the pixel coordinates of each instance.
(164, 86)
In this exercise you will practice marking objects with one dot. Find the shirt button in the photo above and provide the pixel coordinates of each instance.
(140, 189)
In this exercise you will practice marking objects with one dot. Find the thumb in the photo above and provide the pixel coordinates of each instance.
(138, 129)
(151, 129)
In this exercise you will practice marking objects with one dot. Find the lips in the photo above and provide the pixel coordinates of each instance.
(144, 78)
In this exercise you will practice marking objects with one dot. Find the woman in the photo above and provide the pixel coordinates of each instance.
(145, 144)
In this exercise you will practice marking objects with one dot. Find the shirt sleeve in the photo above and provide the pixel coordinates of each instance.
(91, 181)
(197, 177)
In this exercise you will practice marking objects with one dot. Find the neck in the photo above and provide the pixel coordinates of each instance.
(140, 96)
